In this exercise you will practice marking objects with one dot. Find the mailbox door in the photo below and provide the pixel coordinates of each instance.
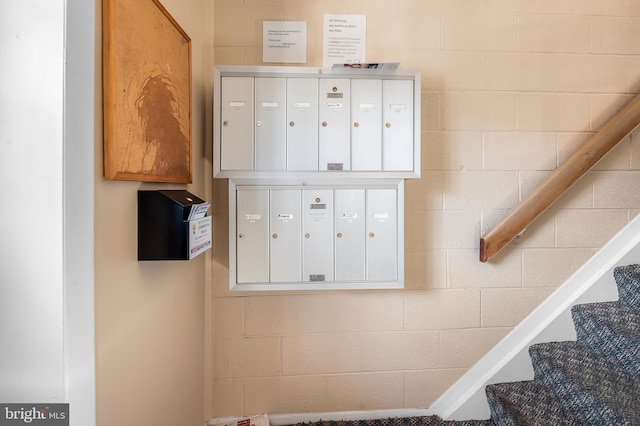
(366, 124)
(397, 133)
(236, 136)
(252, 238)
(270, 131)
(350, 234)
(286, 239)
(334, 111)
(302, 124)
(317, 235)
(382, 235)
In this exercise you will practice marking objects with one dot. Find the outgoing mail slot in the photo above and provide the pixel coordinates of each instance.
(172, 225)
(317, 235)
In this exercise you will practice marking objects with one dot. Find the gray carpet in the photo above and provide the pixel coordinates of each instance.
(593, 381)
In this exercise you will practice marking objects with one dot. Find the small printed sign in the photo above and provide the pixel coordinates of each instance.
(34, 414)
(198, 211)
(199, 236)
(284, 41)
(345, 38)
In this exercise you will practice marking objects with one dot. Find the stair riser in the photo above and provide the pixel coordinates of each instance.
(578, 379)
(628, 282)
(614, 348)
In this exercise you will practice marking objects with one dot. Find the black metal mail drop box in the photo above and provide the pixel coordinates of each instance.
(164, 222)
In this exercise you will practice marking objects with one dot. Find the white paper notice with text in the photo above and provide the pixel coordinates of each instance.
(345, 39)
(284, 42)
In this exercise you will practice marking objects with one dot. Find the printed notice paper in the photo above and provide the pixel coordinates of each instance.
(284, 41)
(345, 38)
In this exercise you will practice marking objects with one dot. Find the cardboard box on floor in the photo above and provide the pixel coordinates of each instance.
(259, 420)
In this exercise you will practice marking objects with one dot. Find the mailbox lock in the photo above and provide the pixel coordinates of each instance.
(324, 124)
(225, 124)
(240, 236)
(307, 235)
(388, 125)
(356, 124)
(339, 234)
(275, 236)
(335, 89)
(371, 235)
(318, 200)
(292, 123)
(259, 123)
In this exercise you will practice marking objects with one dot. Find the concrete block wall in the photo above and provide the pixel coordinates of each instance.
(510, 89)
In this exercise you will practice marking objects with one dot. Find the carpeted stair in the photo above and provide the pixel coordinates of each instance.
(593, 381)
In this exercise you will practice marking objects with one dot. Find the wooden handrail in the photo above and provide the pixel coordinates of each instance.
(569, 172)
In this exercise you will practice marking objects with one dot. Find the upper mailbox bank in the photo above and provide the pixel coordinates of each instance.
(309, 122)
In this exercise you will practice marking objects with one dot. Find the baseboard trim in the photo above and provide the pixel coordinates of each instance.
(288, 419)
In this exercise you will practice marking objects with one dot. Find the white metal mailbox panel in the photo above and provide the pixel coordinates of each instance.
(271, 116)
(334, 117)
(328, 125)
(317, 230)
(398, 130)
(237, 123)
(350, 234)
(382, 235)
(366, 124)
(252, 236)
(302, 124)
(286, 235)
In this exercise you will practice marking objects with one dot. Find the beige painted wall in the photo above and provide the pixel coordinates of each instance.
(150, 316)
(510, 89)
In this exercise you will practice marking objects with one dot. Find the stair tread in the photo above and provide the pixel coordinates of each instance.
(612, 330)
(526, 403)
(587, 383)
